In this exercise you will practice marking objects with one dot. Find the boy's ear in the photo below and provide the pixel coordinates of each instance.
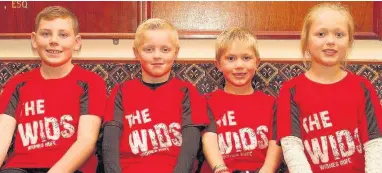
(176, 53)
(78, 45)
(33, 40)
(136, 53)
(257, 62)
(217, 64)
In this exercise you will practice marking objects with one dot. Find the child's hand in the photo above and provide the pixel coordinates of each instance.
(222, 170)
(265, 170)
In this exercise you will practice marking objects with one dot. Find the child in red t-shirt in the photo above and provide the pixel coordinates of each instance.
(329, 119)
(240, 137)
(56, 110)
(152, 124)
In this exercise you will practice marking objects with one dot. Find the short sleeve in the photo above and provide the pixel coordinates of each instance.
(194, 108)
(370, 116)
(9, 96)
(288, 113)
(114, 109)
(93, 98)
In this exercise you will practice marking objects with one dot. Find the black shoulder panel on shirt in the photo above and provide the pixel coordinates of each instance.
(371, 118)
(14, 100)
(118, 106)
(295, 114)
(186, 107)
(84, 100)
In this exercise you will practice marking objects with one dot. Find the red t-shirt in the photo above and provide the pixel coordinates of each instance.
(333, 120)
(152, 122)
(244, 125)
(47, 114)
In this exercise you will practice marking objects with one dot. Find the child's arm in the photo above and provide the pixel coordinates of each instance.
(188, 150)
(9, 99)
(92, 108)
(110, 146)
(288, 131)
(194, 115)
(373, 155)
(113, 128)
(84, 146)
(371, 128)
(7, 128)
(272, 160)
(294, 155)
(211, 146)
(212, 152)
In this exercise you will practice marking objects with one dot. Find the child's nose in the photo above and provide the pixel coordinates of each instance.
(239, 63)
(157, 54)
(330, 39)
(53, 39)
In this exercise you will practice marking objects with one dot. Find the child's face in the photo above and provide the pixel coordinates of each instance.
(328, 38)
(238, 64)
(55, 41)
(157, 53)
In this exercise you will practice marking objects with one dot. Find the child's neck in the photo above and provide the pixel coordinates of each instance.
(48, 72)
(324, 74)
(153, 80)
(238, 90)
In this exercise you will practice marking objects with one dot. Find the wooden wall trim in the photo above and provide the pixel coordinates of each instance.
(199, 60)
(200, 35)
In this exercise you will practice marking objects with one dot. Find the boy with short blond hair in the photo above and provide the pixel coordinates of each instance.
(240, 137)
(152, 123)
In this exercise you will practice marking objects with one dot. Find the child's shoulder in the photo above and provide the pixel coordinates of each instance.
(24, 77)
(130, 84)
(216, 93)
(292, 82)
(183, 84)
(359, 80)
(86, 75)
(263, 96)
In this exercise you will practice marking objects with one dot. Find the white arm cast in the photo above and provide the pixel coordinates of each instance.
(294, 155)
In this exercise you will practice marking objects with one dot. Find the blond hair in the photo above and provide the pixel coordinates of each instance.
(154, 24)
(227, 37)
(308, 20)
(54, 12)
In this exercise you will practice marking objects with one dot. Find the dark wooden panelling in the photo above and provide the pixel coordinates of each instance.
(270, 20)
(97, 19)
(201, 16)
(377, 22)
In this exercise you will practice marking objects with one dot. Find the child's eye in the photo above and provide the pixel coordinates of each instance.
(45, 34)
(320, 34)
(63, 35)
(166, 49)
(231, 58)
(247, 58)
(148, 49)
(339, 34)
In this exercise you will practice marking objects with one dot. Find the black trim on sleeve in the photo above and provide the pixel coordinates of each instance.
(84, 98)
(212, 126)
(118, 107)
(371, 118)
(186, 108)
(274, 122)
(295, 114)
(14, 100)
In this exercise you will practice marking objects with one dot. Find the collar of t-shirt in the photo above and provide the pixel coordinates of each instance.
(154, 86)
